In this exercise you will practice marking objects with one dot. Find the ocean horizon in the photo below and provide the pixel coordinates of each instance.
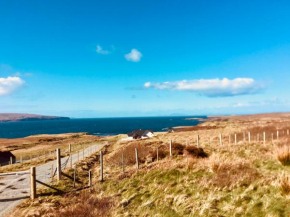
(94, 126)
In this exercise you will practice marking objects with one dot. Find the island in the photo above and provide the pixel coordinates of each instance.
(9, 117)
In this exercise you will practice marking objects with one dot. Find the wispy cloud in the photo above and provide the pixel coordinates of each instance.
(10, 84)
(100, 50)
(134, 55)
(19, 74)
(212, 87)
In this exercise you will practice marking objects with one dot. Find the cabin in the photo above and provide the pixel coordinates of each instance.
(5, 157)
(140, 134)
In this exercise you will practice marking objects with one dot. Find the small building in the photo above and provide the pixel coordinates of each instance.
(140, 134)
(5, 157)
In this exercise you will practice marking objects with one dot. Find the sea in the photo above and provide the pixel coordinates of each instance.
(95, 126)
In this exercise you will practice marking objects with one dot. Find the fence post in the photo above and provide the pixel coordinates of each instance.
(264, 137)
(197, 140)
(123, 166)
(249, 135)
(221, 140)
(101, 164)
(70, 160)
(51, 172)
(272, 137)
(75, 170)
(157, 153)
(11, 160)
(235, 138)
(137, 160)
(58, 164)
(170, 147)
(90, 178)
(32, 183)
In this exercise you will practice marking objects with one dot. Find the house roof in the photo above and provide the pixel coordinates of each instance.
(6, 154)
(139, 133)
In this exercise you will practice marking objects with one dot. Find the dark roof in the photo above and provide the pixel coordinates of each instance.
(6, 154)
(138, 133)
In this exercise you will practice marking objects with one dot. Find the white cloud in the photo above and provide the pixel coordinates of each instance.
(211, 87)
(100, 50)
(133, 56)
(10, 84)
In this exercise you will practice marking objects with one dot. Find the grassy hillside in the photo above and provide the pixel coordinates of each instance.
(243, 179)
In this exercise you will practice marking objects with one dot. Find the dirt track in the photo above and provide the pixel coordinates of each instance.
(15, 188)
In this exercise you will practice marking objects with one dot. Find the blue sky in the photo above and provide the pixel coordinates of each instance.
(144, 58)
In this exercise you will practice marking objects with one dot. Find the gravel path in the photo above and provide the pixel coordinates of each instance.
(15, 188)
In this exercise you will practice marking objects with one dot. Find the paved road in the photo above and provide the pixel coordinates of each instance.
(15, 188)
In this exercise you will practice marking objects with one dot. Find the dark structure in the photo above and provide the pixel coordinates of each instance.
(5, 157)
(138, 134)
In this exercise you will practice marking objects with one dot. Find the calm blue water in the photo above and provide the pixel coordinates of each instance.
(95, 126)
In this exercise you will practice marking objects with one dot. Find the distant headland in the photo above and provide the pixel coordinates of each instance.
(9, 117)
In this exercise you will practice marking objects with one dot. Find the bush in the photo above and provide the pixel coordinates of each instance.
(195, 152)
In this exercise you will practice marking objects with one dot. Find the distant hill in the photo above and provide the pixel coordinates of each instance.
(8, 117)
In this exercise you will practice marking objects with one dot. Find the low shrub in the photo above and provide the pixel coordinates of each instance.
(195, 152)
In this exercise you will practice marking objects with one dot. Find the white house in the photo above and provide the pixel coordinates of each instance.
(140, 134)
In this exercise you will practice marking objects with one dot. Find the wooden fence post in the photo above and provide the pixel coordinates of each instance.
(221, 139)
(51, 172)
(101, 164)
(90, 178)
(170, 147)
(70, 160)
(137, 160)
(75, 171)
(264, 137)
(235, 138)
(272, 137)
(123, 163)
(157, 154)
(33, 183)
(197, 140)
(58, 164)
(249, 135)
(11, 160)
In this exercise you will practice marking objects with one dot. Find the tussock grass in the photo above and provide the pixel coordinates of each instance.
(283, 154)
(285, 183)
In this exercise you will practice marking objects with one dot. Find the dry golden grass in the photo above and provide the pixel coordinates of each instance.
(233, 180)
(283, 154)
(285, 183)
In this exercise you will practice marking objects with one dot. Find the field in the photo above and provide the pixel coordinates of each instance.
(249, 178)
